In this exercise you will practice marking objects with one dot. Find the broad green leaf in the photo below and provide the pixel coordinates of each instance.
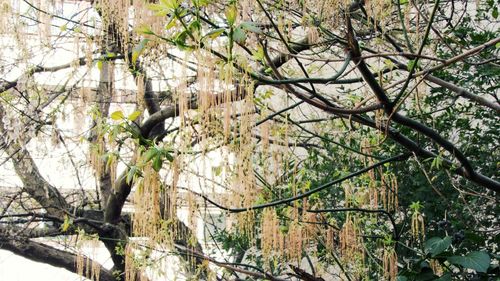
(239, 35)
(156, 7)
(157, 163)
(152, 152)
(170, 4)
(117, 115)
(436, 245)
(134, 115)
(479, 261)
(131, 173)
(231, 13)
(159, 10)
(215, 33)
(145, 30)
(250, 26)
(99, 64)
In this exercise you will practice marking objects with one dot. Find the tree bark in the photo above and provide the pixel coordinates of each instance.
(46, 254)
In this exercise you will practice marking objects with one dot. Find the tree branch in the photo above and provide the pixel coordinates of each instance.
(466, 170)
(46, 254)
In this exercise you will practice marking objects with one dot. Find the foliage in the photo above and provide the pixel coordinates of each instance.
(315, 140)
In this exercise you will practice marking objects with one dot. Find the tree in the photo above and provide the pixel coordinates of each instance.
(359, 135)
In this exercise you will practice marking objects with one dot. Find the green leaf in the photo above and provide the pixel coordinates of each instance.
(403, 2)
(416, 206)
(215, 33)
(169, 156)
(479, 261)
(180, 39)
(283, 229)
(169, 4)
(436, 245)
(99, 64)
(157, 163)
(194, 26)
(497, 45)
(117, 115)
(389, 63)
(135, 56)
(239, 35)
(152, 152)
(145, 30)
(66, 224)
(137, 51)
(131, 173)
(217, 170)
(110, 159)
(258, 54)
(171, 23)
(437, 163)
(494, 13)
(250, 26)
(134, 115)
(411, 64)
(160, 10)
(200, 3)
(231, 13)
